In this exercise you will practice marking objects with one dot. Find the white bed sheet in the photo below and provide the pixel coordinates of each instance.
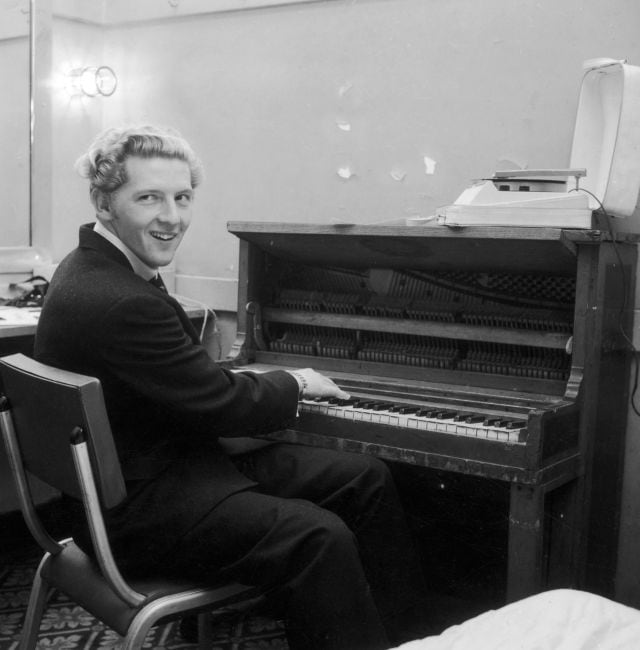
(562, 619)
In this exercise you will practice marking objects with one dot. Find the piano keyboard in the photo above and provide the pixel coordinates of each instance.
(421, 418)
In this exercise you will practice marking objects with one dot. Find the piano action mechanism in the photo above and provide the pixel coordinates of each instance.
(492, 352)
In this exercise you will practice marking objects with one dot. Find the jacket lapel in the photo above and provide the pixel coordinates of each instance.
(88, 238)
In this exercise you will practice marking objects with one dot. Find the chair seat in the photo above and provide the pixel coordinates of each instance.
(96, 596)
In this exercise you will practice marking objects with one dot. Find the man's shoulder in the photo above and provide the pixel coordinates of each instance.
(88, 266)
(88, 285)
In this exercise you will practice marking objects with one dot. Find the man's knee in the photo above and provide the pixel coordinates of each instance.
(324, 533)
(363, 467)
(377, 468)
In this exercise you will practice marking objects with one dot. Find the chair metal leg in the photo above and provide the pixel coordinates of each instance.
(138, 631)
(144, 620)
(176, 605)
(140, 627)
(37, 602)
(137, 634)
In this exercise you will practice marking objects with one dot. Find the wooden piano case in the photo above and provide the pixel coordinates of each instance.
(497, 353)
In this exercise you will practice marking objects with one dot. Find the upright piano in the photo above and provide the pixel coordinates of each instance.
(500, 353)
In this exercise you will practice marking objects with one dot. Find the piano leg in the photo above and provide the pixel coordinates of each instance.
(563, 510)
(543, 546)
(526, 554)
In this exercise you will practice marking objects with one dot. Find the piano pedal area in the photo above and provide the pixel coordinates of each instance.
(460, 526)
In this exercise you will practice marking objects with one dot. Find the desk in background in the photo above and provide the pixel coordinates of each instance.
(17, 329)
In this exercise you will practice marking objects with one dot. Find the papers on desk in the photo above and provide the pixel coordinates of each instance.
(14, 316)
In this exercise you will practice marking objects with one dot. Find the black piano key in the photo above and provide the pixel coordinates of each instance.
(493, 422)
(341, 401)
(408, 409)
(382, 406)
(364, 404)
(474, 419)
(515, 424)
(444, 415)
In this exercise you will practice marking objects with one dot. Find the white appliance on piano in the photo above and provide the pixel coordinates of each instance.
(603, 172)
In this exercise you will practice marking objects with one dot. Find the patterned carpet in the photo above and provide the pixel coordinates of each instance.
(68, 627)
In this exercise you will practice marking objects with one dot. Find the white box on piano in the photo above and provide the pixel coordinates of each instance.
(605, 162)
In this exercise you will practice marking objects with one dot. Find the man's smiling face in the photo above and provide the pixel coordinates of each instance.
(151, 212)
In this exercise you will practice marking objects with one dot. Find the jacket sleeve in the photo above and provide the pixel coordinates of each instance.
(144, 345)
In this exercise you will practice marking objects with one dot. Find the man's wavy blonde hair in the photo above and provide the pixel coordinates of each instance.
(104, 162)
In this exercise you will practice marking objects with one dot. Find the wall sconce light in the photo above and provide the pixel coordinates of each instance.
(92, 81)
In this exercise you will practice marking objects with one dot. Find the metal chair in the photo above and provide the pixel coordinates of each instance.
(55, 426)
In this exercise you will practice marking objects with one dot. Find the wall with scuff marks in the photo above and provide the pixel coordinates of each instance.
(357, 111)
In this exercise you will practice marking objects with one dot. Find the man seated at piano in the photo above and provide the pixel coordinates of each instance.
(322, 530)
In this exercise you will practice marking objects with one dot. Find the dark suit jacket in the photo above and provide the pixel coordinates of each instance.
(165, 396)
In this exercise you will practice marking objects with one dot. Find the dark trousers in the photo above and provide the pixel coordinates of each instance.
(324, 531)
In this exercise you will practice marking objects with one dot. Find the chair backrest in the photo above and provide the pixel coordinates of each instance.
(47, 405)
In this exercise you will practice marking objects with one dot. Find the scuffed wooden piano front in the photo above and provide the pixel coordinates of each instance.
(492, 352)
